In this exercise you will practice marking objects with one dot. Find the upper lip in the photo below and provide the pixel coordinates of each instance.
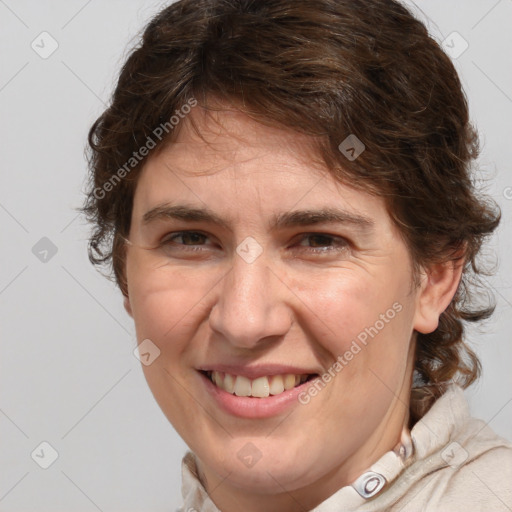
(254, 371)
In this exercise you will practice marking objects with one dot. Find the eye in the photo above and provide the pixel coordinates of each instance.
(187, 238)
(322, 243)
(185, 241)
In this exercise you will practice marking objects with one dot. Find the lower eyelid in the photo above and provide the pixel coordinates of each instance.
(323, 248)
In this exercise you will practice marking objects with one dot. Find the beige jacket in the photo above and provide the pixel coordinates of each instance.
(454, 463)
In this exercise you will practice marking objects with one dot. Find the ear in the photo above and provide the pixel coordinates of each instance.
(438, 286)
(127, 306)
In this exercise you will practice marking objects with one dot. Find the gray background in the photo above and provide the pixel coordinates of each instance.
(68, 375)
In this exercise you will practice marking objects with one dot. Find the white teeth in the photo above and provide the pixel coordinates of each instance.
(289, 381)
(229, 383)
(242, 386)
(262, 387)
(217, 379)
(276, 385)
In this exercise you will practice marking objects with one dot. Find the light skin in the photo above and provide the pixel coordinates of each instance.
(201, 303)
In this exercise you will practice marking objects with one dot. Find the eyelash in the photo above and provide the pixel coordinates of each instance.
(341, 242)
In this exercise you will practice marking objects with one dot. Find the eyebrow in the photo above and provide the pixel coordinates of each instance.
(183, 212)
(296, 218)
(321, 216)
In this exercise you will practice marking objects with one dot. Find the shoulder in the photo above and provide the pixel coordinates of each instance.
(482, 482)
(459, 477)
(460, 463)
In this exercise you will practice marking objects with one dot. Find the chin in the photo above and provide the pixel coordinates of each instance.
(247, 467)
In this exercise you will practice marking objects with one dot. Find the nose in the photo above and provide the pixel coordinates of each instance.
(251, 309)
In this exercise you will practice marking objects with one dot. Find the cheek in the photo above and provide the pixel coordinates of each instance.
(165, 305)
(349, 303)
(369, 321)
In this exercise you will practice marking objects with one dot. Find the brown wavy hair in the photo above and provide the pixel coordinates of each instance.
(326, 68)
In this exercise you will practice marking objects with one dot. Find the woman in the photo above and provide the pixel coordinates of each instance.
(283, 190)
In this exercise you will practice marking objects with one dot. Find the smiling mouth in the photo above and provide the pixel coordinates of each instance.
(262, 387)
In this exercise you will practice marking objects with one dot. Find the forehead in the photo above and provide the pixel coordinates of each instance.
(226, 161)
(211, 140)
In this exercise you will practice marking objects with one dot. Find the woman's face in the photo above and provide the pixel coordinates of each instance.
(251, 266)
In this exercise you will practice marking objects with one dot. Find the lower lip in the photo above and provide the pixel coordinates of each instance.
(252, 407)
